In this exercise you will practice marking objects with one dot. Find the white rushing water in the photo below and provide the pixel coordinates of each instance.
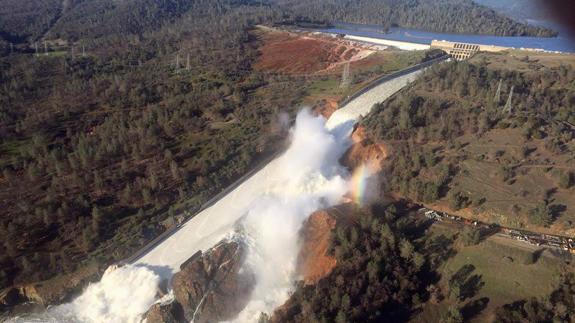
(267, 211)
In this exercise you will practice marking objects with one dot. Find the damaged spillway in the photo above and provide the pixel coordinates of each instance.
(260, 218)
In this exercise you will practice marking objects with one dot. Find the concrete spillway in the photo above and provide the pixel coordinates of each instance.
(265, 212)
(216, 222)
(211, 225)
(361, 105)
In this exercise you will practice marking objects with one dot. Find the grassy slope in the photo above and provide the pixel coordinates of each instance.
(500, 264)
(479, 158)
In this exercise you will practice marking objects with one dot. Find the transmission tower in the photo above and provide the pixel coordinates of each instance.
(508, 107)
(498, 93)
(345, 78)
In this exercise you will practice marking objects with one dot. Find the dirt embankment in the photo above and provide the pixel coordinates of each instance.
(314, 262)
(365, 151)
(296, 53)
(326, 107)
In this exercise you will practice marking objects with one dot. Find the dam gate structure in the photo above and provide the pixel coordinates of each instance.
(461, 51)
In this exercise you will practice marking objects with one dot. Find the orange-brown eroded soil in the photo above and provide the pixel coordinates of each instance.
(313, 261)
(305, 54)
(365, 151)
(326, 107)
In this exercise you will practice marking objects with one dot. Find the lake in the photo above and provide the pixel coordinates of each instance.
(561, 43)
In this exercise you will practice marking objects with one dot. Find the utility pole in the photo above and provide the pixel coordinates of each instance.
(36, 48)
(498, 93)
(508, 104)
(83, 51)
(345, 79)
(188, 62)
(73, 54)
(45, 48)
(177, 63)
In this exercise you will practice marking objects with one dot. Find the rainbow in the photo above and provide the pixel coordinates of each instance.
(359, 183)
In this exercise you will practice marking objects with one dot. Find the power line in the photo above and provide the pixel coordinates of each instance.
(508, 103)
(345, 76)
(498, 93)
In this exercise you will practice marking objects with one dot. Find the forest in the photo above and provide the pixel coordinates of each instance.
(381, 273)
(72, 20)
(388, 270)
(117, 116)
(103, 144)
(440, 140)
(457, 16)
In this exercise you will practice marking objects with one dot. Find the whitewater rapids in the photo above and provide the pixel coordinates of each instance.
(266, 211)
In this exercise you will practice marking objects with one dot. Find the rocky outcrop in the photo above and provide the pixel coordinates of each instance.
(165, 313)
(208, 288)
(314, 262)
(326, 107)
(53, 291)
(364, 151)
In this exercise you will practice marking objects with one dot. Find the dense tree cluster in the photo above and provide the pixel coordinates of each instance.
(380, 274)
(20, 20)
(460, 16)
(96, 143)
(32, 20)
(559, 306)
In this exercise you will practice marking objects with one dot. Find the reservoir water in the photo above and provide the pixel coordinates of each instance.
(561, 43)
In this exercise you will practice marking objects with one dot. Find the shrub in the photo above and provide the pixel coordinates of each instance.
(566, 180)
(457, 200)
(540, 215)
(470, 236)
(453, 315)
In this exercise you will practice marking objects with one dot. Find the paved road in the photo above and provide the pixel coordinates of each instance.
(562, 244)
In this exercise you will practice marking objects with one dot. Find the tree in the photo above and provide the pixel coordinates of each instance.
(406, 249)
(453, 315)
(98, 182)
(541, 215)
(455, 290)
(566, 180)
(457, 200)
(146, 195)
(530, 258)
(470, 236)
(174, 170)
(96, 219)
(431, 193)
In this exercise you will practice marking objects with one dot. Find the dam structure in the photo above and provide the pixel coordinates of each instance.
(461, 51)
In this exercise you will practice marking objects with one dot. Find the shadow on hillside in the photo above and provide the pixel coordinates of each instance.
(474, 308)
